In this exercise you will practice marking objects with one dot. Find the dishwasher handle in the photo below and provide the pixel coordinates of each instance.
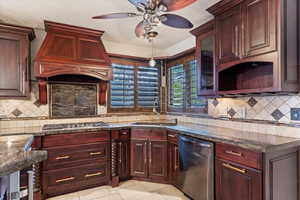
(194, 142)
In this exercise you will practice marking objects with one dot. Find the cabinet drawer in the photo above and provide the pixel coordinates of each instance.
(239, 155)
(75, 178)
(124, 134)
(149, 134)
(68, 156)
(172, 137)
(75, 138)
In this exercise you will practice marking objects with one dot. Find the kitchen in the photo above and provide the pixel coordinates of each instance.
(142, 99)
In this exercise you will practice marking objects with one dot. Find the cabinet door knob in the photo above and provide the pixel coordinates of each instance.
(243, 171)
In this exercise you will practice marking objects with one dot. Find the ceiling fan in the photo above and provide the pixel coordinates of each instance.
(151, 11)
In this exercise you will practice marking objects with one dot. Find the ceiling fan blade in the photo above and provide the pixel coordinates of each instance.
(173, 5)
(176, 21)
(116, 16)
(138, 3)
(139, 30)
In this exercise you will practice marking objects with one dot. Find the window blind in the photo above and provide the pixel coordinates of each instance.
(194, 100)
(183, 82)
(148, 89)
(122, 86)
(177, 86)
(134, 87)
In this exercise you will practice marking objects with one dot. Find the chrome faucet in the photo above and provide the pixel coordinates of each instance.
(155, 105)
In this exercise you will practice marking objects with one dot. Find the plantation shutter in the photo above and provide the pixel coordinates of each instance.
(148, 88)
(177, 86)
(122, 86)
(193, 99)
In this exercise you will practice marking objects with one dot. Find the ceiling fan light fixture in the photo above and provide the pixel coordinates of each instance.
(162, 8)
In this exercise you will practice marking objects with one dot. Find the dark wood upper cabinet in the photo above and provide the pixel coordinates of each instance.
(228, 34)
(259, 27)
(139, 159)
(15, 60)
(205, 36)
(257, 46)
(235, 182)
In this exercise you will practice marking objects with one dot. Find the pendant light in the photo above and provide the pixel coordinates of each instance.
(152, 62)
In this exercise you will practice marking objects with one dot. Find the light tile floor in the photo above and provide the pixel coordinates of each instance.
(129, 190)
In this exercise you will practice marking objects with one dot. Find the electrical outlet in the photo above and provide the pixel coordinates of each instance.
(295, 114)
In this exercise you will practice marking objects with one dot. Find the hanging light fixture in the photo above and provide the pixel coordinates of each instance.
(151, 36)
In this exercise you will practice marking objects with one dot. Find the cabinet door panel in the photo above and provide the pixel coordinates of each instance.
(14, 65)
(235, 182)
(228, 36)
(158, 160)
(173, 162)
(139, 160)
(124, 160)
(259, 23)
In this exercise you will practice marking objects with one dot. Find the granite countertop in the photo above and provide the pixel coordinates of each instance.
(254, 141)
(15, 153)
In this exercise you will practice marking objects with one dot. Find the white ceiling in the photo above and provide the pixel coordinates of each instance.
(79, 13)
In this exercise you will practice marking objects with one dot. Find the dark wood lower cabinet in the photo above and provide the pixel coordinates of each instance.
(157, 160)
(173, 162)
(124, 160)
(149, 160)
(139, 159)
(75, 162)
(236, 182)
(153, 155)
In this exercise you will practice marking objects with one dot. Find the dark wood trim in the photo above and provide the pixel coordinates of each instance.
(137, 58)
(20, 29)
(222, 6)
(54, 26)
(207, 27)
(43, 94)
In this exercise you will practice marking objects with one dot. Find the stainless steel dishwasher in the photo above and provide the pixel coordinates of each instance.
(196, 168)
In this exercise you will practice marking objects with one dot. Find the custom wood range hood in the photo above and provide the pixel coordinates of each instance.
(71, 50)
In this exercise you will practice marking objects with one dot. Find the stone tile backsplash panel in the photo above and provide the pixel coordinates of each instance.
(271, 108)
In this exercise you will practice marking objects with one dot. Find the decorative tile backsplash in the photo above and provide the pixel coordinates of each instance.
(271, 108)
(12, 108)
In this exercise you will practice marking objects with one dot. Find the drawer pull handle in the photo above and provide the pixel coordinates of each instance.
(65, 179)
(23, 187)
(173, 136)
(62, 157)
(243, 171)
(95, 174)
(95, 153)
(234, 153)
(124, 133)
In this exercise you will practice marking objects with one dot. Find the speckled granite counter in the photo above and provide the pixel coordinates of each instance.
(250, 140)
(16, 155)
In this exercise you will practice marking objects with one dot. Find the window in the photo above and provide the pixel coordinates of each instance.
(183, 81)
(134, 88)
(122, 87)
